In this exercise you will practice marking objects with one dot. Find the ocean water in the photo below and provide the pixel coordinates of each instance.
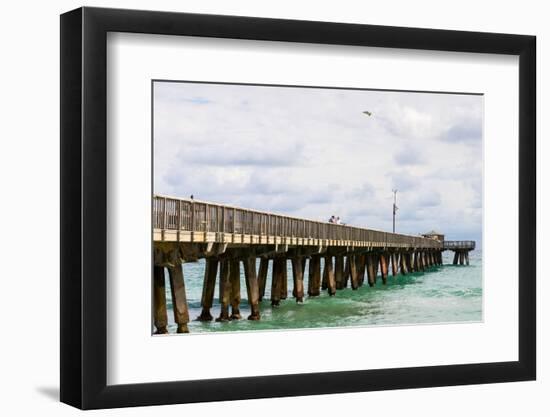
(442, 294)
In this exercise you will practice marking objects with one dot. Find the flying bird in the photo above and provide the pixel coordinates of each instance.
(368, 113)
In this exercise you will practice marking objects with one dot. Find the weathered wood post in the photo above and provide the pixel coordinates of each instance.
(284, 278)
(455, 258)
(210, 273)
(467, 255)
(331, 281)
(354, 273)
(179, 299)
(314, 277)
(425, 260)
(370, 270)
(394, 266)
(384, 267)
(461, 257)
(339, 271)
(276, 281)
(225, 290)
(410, 261)
(376, 265)
(262, 277)
(403, 263)
(235, 278)
(252, 287)
(298, 279)
(160, 316)
(361, 268)
(347, 272)
(324, 282)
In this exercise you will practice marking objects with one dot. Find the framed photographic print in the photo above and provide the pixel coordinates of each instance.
(319, 207)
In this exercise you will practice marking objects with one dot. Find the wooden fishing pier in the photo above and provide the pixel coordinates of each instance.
(186, 230)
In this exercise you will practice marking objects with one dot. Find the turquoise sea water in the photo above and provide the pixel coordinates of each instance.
(443, 294)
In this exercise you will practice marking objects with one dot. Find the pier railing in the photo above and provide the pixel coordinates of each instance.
(459, 244)
(199, 216)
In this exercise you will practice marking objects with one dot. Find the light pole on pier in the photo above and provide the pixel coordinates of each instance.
(395, 208)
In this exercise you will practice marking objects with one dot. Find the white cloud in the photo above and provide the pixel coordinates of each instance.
(313, 153)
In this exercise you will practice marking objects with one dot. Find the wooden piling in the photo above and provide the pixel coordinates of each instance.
(376, 265)
(235, 278)
(252, 287)
(409, 258)
(210, 273)
(225, 290)
(339, 271)
(329, 272)
(370, 270)
(394, 266)
(179, 299)
(314, 276)
(354, 273)
(298, 279)
(262, 277)
(324, 282)
(467, 256)
(347, 272)
(160, 315)
(403, 263)
(455, 258)
(361, 269)
(461, 258)
(276, 281)
(284, 283)
(384, 267)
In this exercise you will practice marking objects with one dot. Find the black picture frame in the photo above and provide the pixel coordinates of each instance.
(84, 207)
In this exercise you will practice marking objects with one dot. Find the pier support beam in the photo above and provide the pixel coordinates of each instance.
(394, 266)
(324, 282)
(339, 271)
(298, 279)
(354, 273)
(225, 290)
(329, 273)
(235, 278)
(179, 299)
(409, 258)
(403, 264)
(455, 258)
(384, 267)
(371, 274)
(262, 277)
(210, 273)
(252, 287)
(284, 283)
(467, 256)
(347, 271)
(314, 277)
(276, 281)
(361, 268)
(160, 318)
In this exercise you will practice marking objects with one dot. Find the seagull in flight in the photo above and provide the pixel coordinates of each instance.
(368, 113)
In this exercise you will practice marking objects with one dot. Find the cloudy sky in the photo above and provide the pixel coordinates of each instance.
(311, 153)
